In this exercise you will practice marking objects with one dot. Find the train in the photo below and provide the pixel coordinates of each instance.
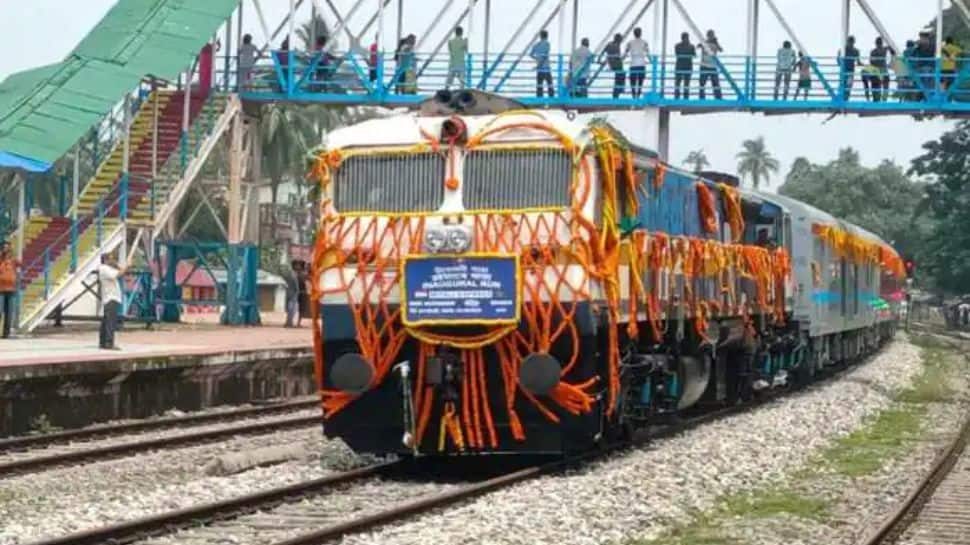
(490, 279)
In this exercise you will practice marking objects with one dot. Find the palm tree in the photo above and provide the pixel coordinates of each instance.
(755, 161)
(698, 160)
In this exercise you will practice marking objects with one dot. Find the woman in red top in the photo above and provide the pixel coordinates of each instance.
(205, 70)
(8, 286)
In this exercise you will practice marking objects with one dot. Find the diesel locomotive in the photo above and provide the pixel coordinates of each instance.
(490, 279)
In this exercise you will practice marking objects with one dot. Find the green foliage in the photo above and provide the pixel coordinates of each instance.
(946, 251)
(881, 199)
(775, 502)
(756, 162)
(697, 160)
(866, 450)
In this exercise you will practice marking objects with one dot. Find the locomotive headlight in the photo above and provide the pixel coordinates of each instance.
(435, 240)
(459, 240)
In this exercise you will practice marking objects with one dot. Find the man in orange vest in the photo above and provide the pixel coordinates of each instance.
(8, 285)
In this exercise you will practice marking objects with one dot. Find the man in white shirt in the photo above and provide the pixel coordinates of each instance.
(638, 51)
(579, 64)
(108, 276)
(710, 47)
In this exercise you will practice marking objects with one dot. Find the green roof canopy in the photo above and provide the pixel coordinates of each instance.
(44, 111)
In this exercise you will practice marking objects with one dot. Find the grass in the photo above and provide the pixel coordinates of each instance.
(885, 436)
(889, 434)
(707, 529)
(773, 503)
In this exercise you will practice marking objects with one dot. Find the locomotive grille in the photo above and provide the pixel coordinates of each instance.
(390, 183)
(517, 179)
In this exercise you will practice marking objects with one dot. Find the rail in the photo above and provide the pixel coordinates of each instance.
(904, 83)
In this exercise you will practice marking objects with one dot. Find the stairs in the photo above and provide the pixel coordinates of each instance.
(140, 207)
(105, 186)
(210, 118)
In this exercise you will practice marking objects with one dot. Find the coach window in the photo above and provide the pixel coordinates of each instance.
(855, 289)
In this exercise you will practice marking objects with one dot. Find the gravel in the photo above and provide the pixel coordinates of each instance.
(646, 492)
(858, 505)
(70, 499)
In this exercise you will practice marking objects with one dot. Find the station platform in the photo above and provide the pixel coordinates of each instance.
(164, 346)
(59, 375)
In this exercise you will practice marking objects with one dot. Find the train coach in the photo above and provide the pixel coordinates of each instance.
(490, 279)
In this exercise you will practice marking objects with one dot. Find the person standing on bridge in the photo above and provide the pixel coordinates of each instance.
(709, 50)
(579, 69)
(684, 66)
(457, 56)
(951, 56)
(540, 54)
(804, 67)
(614, 59)
(246, 61)
(638, 51)
(786, 65)
(8, 285)
(879, 59)
(847, 61)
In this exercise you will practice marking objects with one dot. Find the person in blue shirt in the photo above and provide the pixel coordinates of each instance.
(540, 54)
(848, 59)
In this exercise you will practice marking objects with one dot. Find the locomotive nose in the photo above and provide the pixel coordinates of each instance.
(352, 373)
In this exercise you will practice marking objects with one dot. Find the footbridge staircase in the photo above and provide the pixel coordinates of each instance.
(126, 201)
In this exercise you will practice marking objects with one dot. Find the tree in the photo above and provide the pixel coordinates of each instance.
(698, 160)
(755, 161)
(945, 255)
(883, 200)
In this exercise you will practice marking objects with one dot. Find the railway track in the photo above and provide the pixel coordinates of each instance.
(31, 454)
(937, 510)
(301, 514)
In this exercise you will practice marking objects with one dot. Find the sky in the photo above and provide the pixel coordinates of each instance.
(39, 32)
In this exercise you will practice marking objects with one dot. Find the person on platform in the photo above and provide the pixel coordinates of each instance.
(879, 58)
(614, 59)
(457, 56)
(804, 67)
(109, 275)
(8, 286)
(326, 66)
(684, 66)
(292, 279)
(579, 63)
(709, 50)
(303, 295)
(847, 61)
(784, 68)
(951, 57)
(540, 54)
(638, 52)
(246, 61)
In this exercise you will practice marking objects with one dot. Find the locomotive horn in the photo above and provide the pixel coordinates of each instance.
(539, 373)
(352, 373)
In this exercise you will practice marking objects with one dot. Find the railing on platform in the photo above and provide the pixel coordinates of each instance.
(906, 83)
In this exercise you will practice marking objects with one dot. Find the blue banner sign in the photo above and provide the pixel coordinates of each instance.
(456, 290)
